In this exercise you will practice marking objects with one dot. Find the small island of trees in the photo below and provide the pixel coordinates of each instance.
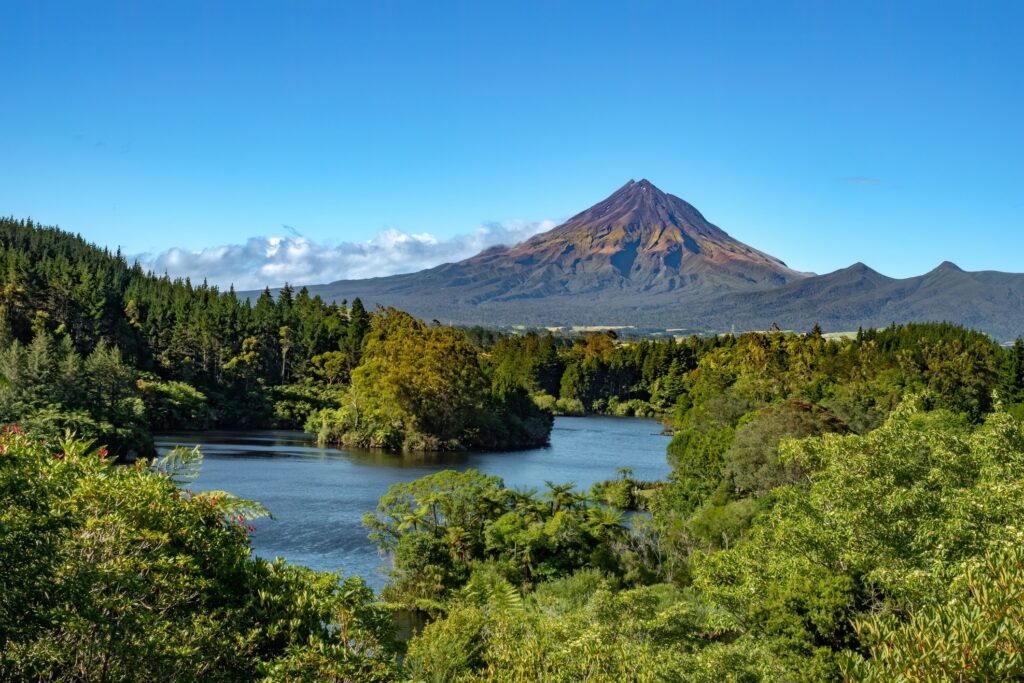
(424, 388)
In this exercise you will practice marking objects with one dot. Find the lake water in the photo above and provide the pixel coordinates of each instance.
(318, 495)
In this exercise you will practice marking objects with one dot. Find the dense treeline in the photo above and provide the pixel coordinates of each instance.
(195, 356)
(594, 373)
(180, 355)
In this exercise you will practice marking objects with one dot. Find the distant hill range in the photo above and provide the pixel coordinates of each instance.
(649, 259)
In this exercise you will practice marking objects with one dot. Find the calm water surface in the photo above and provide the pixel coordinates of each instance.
(318, 495)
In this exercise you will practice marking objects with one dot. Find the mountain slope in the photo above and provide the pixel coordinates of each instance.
(638, 243)
(640, 238)
(860, 297)
(646, 258)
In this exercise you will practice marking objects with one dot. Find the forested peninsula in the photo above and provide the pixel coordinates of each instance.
(838, 508)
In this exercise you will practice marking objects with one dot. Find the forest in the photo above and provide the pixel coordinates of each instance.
(844, 509)
(95, 345)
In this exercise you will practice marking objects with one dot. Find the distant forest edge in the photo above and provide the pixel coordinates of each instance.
(95, 345)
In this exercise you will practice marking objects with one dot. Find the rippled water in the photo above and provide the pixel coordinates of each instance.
(318, 495)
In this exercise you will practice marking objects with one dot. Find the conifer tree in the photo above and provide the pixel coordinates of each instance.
(1011, 376)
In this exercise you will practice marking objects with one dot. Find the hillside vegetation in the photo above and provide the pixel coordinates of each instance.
(94, 345)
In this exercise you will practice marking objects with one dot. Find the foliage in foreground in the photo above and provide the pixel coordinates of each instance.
(906, 535)
(444, 526)
(114, 573)
(978, 635)
(909, 534)
(891, 523)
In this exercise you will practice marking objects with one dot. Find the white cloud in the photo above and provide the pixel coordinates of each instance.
(272, 261)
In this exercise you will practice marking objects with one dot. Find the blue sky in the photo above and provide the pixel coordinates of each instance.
(821, 132)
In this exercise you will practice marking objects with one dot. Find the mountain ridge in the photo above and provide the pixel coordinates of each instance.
(646, 258)
(638, 240)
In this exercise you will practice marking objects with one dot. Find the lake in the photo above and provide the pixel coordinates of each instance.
(318, 495)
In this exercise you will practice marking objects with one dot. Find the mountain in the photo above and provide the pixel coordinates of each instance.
(637, 247)
(640, 239)
(861, 297)
(649, 259)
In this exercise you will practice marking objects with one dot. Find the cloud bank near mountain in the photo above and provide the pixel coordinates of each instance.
(272, 261)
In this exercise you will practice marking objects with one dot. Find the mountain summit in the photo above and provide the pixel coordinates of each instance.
(638, 243)
(643, 239)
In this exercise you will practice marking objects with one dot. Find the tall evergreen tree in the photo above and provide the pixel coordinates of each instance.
(1011, 376)
(358, 327)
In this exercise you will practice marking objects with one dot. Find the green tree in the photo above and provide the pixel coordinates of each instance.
(886, 524)
(1011, 374)
(423, 388)
(976, 636)
(751, 461)
(358, 328)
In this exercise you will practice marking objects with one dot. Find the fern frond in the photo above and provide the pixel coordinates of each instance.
(233, 508)
(181, 465)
